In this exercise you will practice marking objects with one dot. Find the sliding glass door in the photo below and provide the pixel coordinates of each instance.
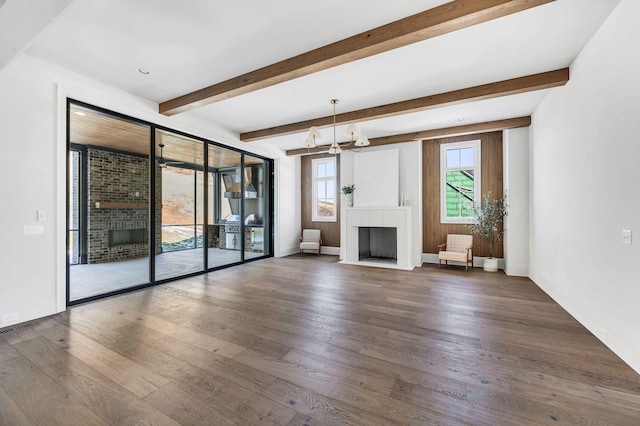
(147, 204)
(75, 206)
(108, 203)
(179, 184)
(225, 238)
(256, 207)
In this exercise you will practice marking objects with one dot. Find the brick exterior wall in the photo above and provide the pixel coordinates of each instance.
(118, 177)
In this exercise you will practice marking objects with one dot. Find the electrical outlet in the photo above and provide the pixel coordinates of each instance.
(626, 237)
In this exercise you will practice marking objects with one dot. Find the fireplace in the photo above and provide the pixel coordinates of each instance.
(385, 225)
(123, 237)
(377, 244)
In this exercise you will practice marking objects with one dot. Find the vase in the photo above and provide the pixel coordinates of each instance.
(490, 264)
(349, 200)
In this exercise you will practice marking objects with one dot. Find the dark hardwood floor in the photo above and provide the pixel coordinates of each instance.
(307, 341)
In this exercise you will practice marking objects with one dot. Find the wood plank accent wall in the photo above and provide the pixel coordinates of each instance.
(434, 232)
(330, 230)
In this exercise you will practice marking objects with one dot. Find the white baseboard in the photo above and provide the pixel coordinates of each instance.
(334, 251)
(521, 270)
(620, 343)
(288, 251)
(378, 265)
(478, 262)
(429, 258)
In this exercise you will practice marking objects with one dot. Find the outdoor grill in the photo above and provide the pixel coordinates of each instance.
(232, 230)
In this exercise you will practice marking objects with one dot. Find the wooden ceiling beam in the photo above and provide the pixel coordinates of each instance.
(513, 86)
(467, 129)
(430, 23)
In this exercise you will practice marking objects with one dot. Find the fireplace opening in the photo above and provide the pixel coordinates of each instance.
(379, 244)
(124, 237)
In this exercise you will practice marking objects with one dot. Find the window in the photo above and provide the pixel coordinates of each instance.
(459, 180)
(324, 189)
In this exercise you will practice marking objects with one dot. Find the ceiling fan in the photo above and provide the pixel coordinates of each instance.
(164, 163)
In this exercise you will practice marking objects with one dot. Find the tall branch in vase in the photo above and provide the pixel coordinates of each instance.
(487, 219)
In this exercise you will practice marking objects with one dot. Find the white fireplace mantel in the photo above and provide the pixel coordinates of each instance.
(386, 217)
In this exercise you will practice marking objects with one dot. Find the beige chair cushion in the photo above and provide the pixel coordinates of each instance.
(309, 246)
(452, 255)
(310, 235)
(456, 249)
(310, 239)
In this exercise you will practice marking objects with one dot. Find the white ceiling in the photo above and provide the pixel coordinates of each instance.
(192, 44)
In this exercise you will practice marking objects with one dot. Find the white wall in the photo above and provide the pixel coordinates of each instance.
(410, 184)
(287, 206)
(32, 176)
(347, 178)
(516, 185)
(27, 184)
(377, 178)
(585, 157)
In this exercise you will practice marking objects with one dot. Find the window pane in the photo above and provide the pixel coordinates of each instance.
(178, 209)
(104, 240)
(256, 237)
(460, 180)
(466, 157)
(453, 158)
(325, 208)
(330, 205)
(212, 200)
(460, 187)
(331, 188)
(225, 166)
(324, 189)
(228, 206)
(322, 193)
(200, 198)
(74, 207)
(330, 171)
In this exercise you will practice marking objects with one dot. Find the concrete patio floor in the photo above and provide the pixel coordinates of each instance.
(100, 278)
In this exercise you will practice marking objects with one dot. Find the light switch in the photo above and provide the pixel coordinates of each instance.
(41, 216)
(626, 237)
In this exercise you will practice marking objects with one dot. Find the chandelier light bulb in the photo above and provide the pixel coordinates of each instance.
(352, 133)
(335, 149)
(315, 134)
(362, 141)
(309, 142)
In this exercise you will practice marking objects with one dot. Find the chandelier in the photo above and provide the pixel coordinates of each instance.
(357, 138)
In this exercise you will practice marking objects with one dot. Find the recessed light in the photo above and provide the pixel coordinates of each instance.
(143, 71)
(80, 113)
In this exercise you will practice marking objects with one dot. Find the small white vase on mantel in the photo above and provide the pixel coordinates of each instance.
(349, 199)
